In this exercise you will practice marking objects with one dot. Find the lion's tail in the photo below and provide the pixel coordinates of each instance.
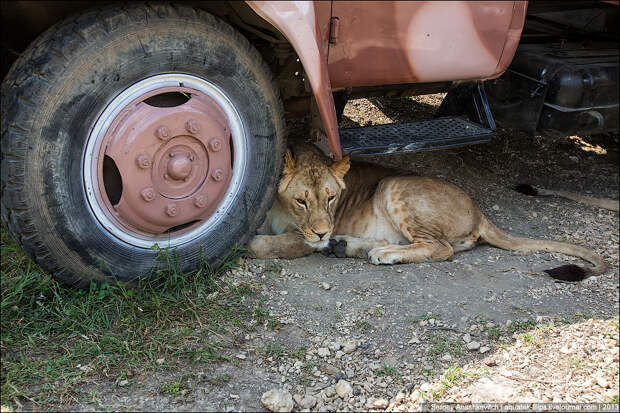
(496, 237)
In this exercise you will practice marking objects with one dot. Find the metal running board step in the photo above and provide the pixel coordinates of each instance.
(439, 133)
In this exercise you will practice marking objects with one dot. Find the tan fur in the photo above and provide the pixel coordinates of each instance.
(387, 218)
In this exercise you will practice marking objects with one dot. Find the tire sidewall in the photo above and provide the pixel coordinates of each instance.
(80, 94)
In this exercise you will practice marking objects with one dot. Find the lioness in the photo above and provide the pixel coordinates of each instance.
(389, 219)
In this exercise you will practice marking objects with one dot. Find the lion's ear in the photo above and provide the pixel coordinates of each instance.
(289, 163)
(340, 168)
(287, 173)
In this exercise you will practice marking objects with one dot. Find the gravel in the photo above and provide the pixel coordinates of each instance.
(356, 336)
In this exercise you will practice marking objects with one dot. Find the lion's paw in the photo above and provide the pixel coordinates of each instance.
(383, 255)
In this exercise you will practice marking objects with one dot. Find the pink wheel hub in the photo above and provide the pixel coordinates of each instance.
(175, 163)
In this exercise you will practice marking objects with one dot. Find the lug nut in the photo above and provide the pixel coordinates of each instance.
(192, 126)
(143, 161)
(147, 194)
(200, 201)
(218, 175)
(215, 145)
(163, 133)
(171, 210)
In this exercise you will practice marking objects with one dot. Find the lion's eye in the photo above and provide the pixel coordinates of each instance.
(301, 202)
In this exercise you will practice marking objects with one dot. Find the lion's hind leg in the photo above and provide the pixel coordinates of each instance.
(418, 251)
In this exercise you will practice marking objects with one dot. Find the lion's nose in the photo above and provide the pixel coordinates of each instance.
(319, 234)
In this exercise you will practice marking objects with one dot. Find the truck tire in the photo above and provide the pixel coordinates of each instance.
(129, 126)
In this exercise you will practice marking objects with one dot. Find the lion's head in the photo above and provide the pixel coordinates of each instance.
(310, 191)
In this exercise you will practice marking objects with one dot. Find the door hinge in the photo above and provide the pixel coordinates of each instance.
(334, 28)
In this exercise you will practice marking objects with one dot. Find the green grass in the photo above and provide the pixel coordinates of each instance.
(54, 339)
(494, 332)
(363, 325)
(518, 325)
(440, 344)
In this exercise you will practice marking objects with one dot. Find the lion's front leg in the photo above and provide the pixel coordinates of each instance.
(287, 245)
(359, 247)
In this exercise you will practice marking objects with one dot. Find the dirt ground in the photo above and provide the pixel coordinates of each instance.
(486, 325)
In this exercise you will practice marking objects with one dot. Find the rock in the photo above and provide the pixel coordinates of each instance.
(446, 357)
(328, 369)
(339, 354)
(325, 286)
(467, 338)
(283, 292)
(307, 402)
(333, 346)
(160, 361)
(338, 304)
(277, 400)
(123, 382)
(380, 404)
(323, 352)
(473, 346)
(484, 349)
(343, 388)
(349, 347)
(602, 382)
(329, 391)
(565, 350)
(241, 356)
(349, 372)
(298, 398)
(495, 207)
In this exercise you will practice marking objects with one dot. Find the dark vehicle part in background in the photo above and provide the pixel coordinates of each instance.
(564, 75)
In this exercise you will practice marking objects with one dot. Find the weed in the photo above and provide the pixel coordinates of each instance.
(172, 388)
(219, 380)
(299, 352)
(528, 339)
(520, 325)
(386, 370)
(441, 344)
(363, 325)
(424, 317)
(274, 350)
(494, 332)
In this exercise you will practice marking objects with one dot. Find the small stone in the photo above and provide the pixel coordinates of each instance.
(446, 357)
(283, 272)
(534, 214)
(328, 369)
(473, 346)
(323, 352)
(123, 382)
(339, 354)
(277, 400)
(333, 346)
(283, 292)
(308, 402)
(349, 347)
(160, 361)
(467, 338)
(602, 382)
(565, 350)
(539, 319)
(349, 372)
(325, 286)
(484, 349)
(380, 404)
(330, 391)
(338, 304)
(241, 356)
(298, 398)
(495, 207)
(343, 388)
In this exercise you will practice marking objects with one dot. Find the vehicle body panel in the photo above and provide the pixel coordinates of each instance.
(392, 42)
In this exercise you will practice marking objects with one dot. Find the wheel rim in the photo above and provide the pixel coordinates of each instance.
(165, 160)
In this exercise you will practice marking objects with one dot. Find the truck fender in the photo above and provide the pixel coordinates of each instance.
(296, 20)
